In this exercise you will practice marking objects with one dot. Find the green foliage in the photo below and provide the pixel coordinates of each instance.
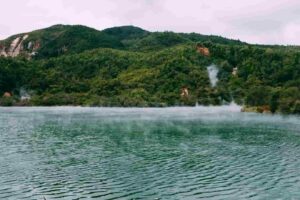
(156, 41)
(126, 32)
(128, 66)
(6, 101)
(75, 39)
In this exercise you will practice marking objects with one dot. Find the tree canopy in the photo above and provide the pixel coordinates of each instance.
(128, 66)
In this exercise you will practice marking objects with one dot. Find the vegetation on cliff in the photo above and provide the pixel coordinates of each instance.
(128, 66)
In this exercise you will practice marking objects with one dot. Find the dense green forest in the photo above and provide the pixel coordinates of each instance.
(128, 66)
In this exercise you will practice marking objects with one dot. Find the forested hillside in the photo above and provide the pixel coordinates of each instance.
(129, 66)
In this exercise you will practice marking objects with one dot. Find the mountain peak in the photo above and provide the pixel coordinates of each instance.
(126, 32)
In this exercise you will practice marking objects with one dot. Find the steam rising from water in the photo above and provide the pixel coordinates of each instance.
(212, 74)
(182, 113)
(212, 152)
(24, 94)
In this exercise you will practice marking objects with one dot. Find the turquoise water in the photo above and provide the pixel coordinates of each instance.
(151, 153)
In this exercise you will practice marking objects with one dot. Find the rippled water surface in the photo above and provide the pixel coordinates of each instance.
(167, 153)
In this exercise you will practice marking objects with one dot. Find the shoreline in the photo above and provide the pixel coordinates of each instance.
(237, 108)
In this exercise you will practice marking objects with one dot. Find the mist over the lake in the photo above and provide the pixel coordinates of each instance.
(169, 153)
(150, 99)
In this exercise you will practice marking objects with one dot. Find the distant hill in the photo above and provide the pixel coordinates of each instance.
(129, 66)
(57, 40)
(66, 39)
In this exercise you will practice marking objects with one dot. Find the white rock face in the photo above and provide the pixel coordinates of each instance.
(15, 48)
(29, 46)
(235, 71)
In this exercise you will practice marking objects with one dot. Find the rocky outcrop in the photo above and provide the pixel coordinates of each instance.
(235, 71)
(36, 46)
(203, 50)
(7, 94)
(32, 48)
(15, 47)
(184, 92)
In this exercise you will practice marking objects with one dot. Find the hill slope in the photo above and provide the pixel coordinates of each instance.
(57, 40)
(128, 66)
(66, 39)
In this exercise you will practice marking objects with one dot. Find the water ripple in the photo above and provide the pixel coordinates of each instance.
(179, 153)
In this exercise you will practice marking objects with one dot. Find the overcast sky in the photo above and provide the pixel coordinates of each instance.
(254, 21)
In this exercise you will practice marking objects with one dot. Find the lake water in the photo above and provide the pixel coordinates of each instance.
(148, 153)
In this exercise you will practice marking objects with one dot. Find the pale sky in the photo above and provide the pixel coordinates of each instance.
(253, 21)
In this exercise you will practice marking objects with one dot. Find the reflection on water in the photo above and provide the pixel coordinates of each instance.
(163, 153)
